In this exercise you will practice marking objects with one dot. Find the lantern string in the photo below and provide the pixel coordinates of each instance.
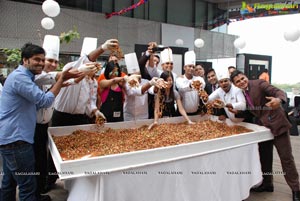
(124, 10)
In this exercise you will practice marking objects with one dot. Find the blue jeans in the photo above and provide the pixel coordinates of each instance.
(18, 168)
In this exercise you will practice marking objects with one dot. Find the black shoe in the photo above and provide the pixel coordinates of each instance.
(263, 188)
(296, 195)
(44, 198)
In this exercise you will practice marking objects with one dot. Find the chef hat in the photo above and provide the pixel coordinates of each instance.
(51, 46)
(222, 75)
(89, 44)
(166, 55)
(190, 58)
(132, 63)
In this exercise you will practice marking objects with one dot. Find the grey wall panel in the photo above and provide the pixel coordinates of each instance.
(127, 33)
(107, 6)
(229, 48)
(218, 45)
(8, 28)
(158, 10)
(207, 50)
(148, 31)
(200, 13)
(20, 22)
(119, 5)
(181, 15)
(170, 33)
(140, 12)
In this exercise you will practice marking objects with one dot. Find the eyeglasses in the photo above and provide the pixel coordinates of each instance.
(169, 63)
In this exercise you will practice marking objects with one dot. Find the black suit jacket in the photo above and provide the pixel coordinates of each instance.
(276, 120)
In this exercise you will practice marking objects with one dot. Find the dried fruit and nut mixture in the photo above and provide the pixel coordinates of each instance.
(114, 141)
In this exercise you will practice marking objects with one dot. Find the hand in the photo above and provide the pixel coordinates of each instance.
(70, 73)
(159, 83)
(222, 117)
(191, 123)
(196, 84)
(99, 114)
(229, 106)
(151, 45)
(152, 125)
(204, 96)
(274, 103)
(110, 44)
(133, 80)
(233, 110)
(218, 104)
(89, 67)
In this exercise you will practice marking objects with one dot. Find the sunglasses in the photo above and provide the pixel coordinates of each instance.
(169, 63)
(116, 73)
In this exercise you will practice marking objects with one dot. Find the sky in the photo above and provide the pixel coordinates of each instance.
(265, 36)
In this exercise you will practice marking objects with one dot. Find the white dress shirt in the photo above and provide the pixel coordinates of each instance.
(235, 96)
(189, 96)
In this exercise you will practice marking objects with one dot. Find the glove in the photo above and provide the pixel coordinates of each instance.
(110, 44)
(152, 82)
(99, 114)
(89, 67)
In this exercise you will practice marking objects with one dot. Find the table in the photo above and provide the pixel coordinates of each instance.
(217, 176)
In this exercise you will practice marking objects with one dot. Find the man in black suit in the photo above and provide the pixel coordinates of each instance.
(212, 81)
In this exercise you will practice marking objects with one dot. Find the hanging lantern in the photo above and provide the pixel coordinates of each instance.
(47, 23)
(292, 34)
(179, 42)
(199, 43)
(239, 43)
(51, 8)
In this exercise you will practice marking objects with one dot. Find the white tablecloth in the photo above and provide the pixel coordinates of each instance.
(221, 176)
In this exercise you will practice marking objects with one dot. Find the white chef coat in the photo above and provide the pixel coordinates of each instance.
(77, 99)
(189, 96)
(1, 87)
(235, 96)
(45, 81)
(136, 104)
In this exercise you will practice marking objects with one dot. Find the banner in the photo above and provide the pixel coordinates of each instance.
(263, 9)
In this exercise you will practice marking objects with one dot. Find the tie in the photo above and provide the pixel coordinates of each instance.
(213, 87)
(248, 99)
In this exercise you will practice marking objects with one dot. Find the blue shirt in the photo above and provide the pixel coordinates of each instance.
(20, 99)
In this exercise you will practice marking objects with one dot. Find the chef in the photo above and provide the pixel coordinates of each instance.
(184, 84)
(232, 98)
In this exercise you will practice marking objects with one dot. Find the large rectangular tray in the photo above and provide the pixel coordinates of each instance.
(109, 163)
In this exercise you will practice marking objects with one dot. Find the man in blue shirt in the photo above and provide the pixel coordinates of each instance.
(21, 98)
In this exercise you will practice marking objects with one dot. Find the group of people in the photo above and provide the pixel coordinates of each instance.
(35, 94)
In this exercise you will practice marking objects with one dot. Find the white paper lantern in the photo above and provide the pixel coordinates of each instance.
(47, 23)
(199, 42)
(239, 43)
(51, 8)
(179, 42)
(292, 34)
